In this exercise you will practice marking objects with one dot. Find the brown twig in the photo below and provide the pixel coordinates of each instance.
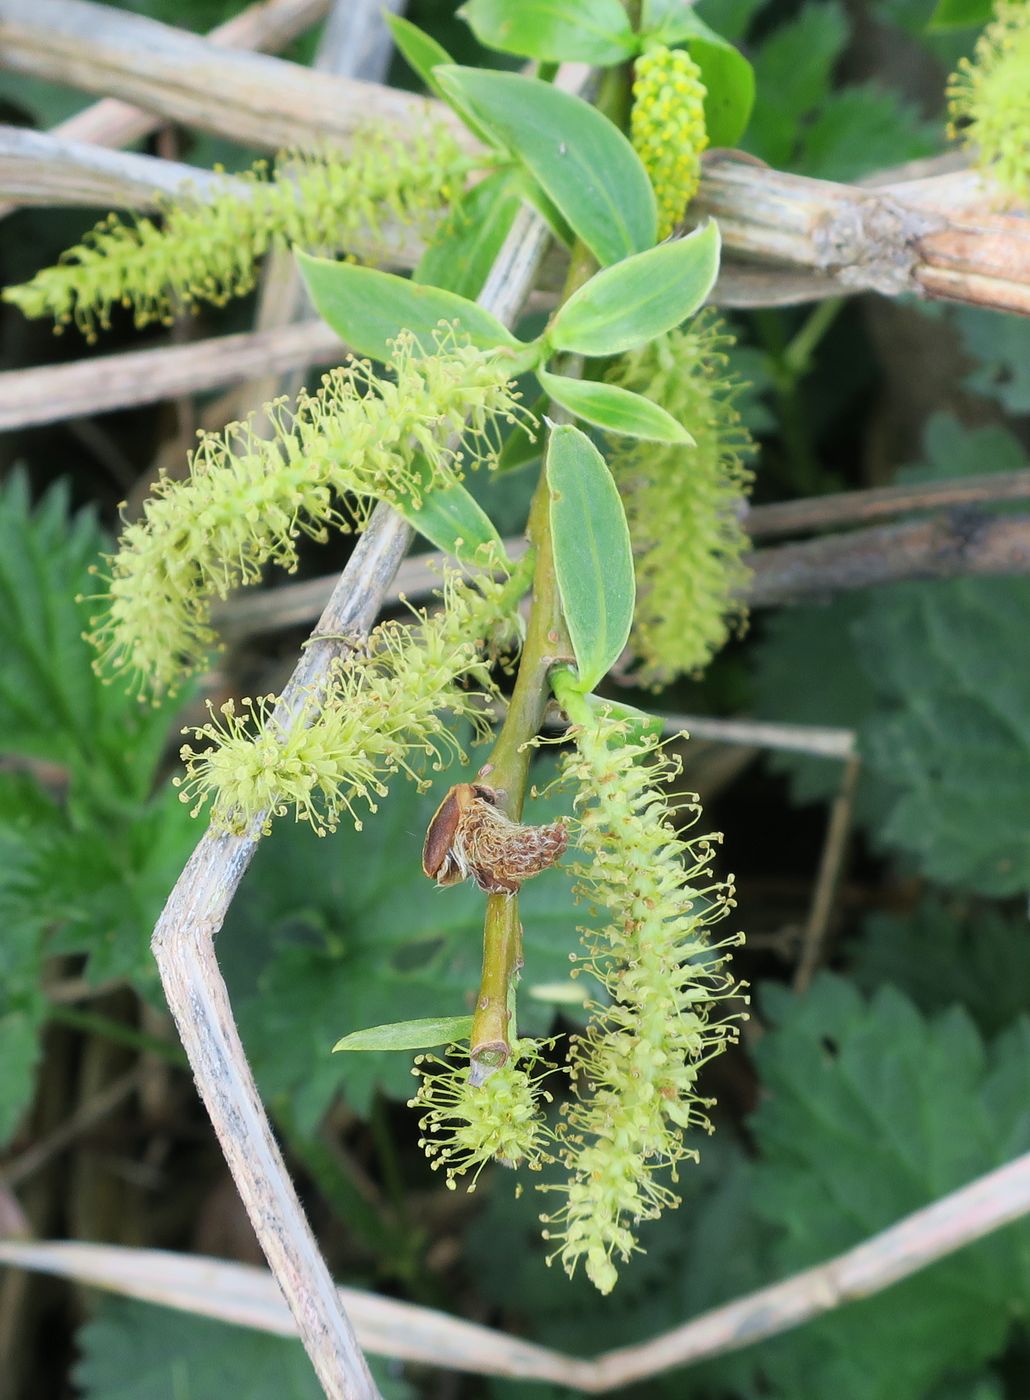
(963, 542)
(268, 26)
(827, 880)
(855, 507)
(247, 1296)
(89, 1113)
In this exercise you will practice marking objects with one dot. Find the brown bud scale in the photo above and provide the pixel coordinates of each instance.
(471, 837)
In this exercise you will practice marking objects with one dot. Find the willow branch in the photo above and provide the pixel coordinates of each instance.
(786, 237)
(247, 1296)
(964, 542)
(853, 507)
(183, 940)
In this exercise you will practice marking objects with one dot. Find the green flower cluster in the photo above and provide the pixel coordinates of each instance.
(685, 504)
(990, 96)
(207, 251)
(467, 1125)
(634, 1070)
(378, 708)
(248, 497)
(667, 128)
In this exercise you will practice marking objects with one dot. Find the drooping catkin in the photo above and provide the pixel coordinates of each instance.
(208, 250)
(989, 99)
(378, 711)
(635, 1068)
(685, 504)
(667, 128)
(248, 498)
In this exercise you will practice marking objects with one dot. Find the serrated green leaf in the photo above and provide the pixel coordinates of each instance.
(793, 75)
(946, 953)
(368, 309)
(419, 49)
(350, 932)
(578, 157)
(449, 517)
(421, 1034)
(642, 297)
(870, 1112)
(462, 253)
(727, 75)
(1001, 344)
(960, 14)
(593, 559)
(557, 31)
(614, 409)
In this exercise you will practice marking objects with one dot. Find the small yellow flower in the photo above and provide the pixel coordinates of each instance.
(989, 99)
(667, 127)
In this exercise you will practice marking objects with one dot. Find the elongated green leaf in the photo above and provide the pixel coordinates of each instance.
(450, 518)
(728, 77)
(592, 555)
(557, 31)
(614, 409)
(578, 157)
(420, 49)
(960, 14)
(409, 1035)
(368, 308)
(640, 298)
(461, 255)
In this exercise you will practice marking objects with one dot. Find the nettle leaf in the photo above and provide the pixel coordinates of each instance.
(869, 1111)
(945, 953)
(583, 163)
(961, 14)
(557, 31)
(350, 934)
(644, 296)
(420, 50)
(614, 409)
(420, 1034)
(52, 704)
(727, 75)
(1001, 344)
(449, 517)
(793, 73)
(368, 309)
(464, 250)
(593, 558)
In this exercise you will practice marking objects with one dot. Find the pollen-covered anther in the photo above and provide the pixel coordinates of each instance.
(472, 837)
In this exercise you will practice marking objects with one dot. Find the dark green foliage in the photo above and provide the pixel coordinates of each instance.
(132, 1351)
(944, 953)
(87, 856)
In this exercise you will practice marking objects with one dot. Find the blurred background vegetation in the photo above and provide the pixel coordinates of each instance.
(902, 1072)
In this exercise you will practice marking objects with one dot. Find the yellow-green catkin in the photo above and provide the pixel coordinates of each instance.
(634, 1069)
(376, 714)
(667, 128)
(685, 504)
(248, 497)
(466, 1125)
(989, 99)
(208, 250)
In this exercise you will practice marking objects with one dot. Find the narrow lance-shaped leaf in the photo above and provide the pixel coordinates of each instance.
(368, 308)
(449, 517)
(557, 31)
(593, 559)
(644, 296)
(409, 1035)
(463, 252)
(581, 160)
(420, 50)
(615, 409)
